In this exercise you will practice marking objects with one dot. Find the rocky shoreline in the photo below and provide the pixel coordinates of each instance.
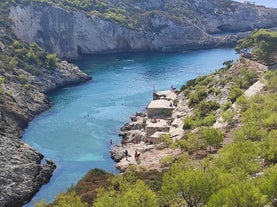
(23, 169)
(143, 133)
(145, 130)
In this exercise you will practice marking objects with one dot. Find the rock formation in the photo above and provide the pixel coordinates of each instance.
(169, 25)
(22, 172)
(20, 105)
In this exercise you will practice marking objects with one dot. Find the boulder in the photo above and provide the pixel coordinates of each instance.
(22, 172)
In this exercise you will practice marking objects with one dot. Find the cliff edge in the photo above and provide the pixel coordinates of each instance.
(27, 74)
(23, 171)
(118, 26)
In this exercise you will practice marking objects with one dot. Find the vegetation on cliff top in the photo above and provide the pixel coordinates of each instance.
(135, 14)
(17, 56)
(243, 173)
(263, 45)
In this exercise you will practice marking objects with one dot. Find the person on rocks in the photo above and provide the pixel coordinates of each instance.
(126, 154)
(137, 154)
(123, 142)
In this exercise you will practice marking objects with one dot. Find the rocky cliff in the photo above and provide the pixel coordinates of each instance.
(22, 97)
(150, 25)
(27, 73)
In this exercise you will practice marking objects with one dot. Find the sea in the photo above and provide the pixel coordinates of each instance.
(75, 132)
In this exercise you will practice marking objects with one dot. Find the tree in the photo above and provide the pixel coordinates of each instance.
(271, 77)
(263, 43)
(186, 186)
(239, 157)
(228, 116)
(228, 64)
(234, 94)
(244, 45)
(193, 143)
(211, 136)
(268, 184)
(126, 193)
(51, 61)
(259, 118)
(240, 195)
(269, 147)
(69, 199)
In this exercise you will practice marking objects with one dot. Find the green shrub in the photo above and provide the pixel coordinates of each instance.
(27, 85)
(227, 105)
(190, 83)
(116, 16)
(51, 61)
(208, 120)
(13, 62)
(189, 123)
(206, 107)
(198, 95)
(193, 99)
(69, 199)
(166, 161)
(243, 103)
(234, 94)
(22, 78)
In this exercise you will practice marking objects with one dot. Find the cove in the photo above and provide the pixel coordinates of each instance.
(76, 130)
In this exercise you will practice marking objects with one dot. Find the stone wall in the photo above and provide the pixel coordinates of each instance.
(150, 130)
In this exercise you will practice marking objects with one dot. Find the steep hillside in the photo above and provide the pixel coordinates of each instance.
(73, 28)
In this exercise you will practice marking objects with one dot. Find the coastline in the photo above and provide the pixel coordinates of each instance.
(143, 133)
(24, 171)
(158, 154)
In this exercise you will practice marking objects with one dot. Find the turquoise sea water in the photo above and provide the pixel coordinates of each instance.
(75, 132)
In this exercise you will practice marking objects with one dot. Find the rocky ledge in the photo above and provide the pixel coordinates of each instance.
(143, 134)
(22, 169)
(22, 172)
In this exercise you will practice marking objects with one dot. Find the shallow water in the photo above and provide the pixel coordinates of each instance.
(75, 132)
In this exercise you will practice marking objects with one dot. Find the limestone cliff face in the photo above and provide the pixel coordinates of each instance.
(237, 17)
(19, 105)
(71, 33)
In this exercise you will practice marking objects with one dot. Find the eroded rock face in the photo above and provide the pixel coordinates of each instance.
(71, 34)
(21, 173)
(19, 105)
(21, 170)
